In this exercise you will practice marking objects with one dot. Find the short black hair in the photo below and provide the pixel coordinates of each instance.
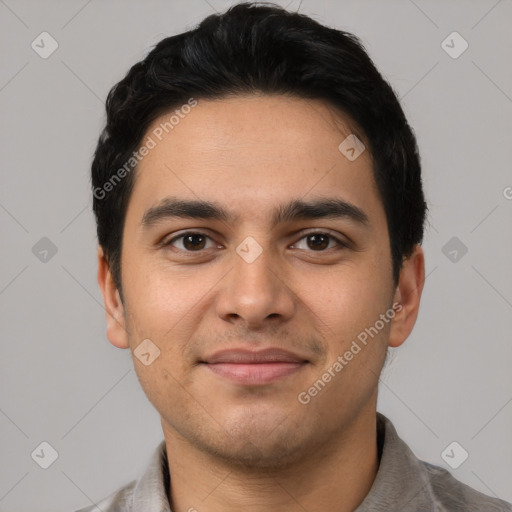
(257, 47)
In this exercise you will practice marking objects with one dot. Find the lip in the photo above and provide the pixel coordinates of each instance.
(260, 367)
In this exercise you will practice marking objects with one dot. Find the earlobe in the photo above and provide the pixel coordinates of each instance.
(408, 295)
(116, 323)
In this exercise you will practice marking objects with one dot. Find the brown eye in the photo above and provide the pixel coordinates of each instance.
(190, 242)
(319, 242)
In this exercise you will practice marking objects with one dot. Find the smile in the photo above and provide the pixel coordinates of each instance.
(254, 368)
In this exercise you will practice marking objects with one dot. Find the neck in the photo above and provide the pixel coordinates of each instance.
(337, 478)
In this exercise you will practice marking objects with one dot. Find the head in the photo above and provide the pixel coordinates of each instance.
(257, 185)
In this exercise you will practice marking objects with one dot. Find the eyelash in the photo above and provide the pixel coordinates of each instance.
(342, 245)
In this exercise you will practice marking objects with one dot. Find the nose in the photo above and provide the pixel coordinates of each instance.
(255, 291)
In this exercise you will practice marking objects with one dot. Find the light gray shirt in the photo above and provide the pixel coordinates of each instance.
(403, 484)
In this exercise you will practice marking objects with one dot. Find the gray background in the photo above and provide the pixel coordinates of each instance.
(60, 379)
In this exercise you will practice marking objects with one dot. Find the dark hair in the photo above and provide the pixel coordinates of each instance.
(260, 48)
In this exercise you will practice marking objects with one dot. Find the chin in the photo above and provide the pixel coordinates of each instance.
(256, 445)
(249, 455)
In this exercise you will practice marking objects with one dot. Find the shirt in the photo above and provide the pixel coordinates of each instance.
(403, 484)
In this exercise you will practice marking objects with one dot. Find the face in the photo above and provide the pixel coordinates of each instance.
(256, 306)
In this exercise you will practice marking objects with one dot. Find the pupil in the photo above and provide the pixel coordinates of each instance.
(315, 238)
(190, 238)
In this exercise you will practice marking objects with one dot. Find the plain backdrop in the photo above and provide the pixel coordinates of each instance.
(63, 383)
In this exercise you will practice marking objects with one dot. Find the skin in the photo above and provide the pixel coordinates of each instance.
(257, 448)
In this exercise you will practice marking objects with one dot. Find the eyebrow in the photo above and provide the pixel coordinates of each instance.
(325, 208)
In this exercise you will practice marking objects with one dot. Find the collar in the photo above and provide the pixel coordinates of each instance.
(401, 482)
(401, 479)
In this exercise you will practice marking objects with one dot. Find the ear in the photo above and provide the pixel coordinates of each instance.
(116, 323)
(408, 295)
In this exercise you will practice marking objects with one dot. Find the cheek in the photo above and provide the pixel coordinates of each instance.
(350, 300)
(349, 306)
(159, 298)
(162, 309)
(167, 306)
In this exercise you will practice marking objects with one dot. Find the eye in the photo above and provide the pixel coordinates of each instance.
(194, 241)
(319, 241)
(190, 241)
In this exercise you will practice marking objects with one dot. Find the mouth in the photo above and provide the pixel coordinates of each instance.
(252, 368)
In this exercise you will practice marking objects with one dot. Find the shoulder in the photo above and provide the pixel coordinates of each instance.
(405, 482)
(449, 494)
(148, 493)
(118, 501)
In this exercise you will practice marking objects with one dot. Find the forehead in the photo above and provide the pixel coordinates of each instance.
(252, 151)
(252, 122)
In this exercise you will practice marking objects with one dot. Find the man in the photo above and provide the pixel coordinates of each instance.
(260, 211)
